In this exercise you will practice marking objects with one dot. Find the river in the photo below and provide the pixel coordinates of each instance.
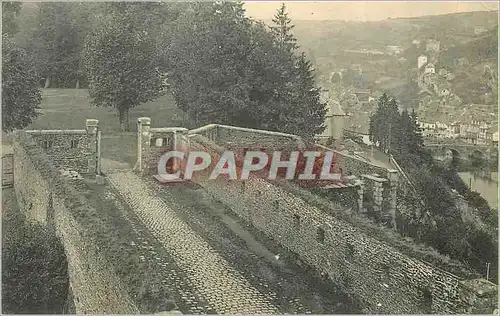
(487, 188)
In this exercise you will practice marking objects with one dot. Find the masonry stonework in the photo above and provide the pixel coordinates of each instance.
(95, 286)
(383, 278)
(154, 142)
(72, 149)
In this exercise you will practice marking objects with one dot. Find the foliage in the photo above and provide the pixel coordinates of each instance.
(225, 68)
(56, 43)
(121, 63)
(21, 95)
(34, 272)
(442, 224)
(282, 30)
(10, 10)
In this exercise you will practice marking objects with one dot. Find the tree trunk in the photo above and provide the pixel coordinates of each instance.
(47, 82)
(127, 125)
(123, 117)
(77, 84)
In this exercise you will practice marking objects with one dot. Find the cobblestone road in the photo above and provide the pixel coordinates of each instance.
(213, 277)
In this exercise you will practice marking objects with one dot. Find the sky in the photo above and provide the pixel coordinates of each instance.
(363, 10)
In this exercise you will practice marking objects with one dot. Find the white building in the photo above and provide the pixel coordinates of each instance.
(430, 69)
(421, 61)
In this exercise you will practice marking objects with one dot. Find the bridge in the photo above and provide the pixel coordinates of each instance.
(462, 151)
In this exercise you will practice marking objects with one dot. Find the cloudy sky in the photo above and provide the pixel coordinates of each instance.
(363, 10)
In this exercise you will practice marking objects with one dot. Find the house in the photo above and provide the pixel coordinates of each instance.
(454, 130)
(494, 137)
(461, 62)
(430, 69)
(421, 61)
(416, 42)
(432, 46)
(394, 50)
(479, 30)
(474, 132)
(363, 95)
(436, 130)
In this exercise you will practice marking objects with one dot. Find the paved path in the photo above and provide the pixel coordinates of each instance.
(223, 287)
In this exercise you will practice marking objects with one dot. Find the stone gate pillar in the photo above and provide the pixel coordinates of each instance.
(361, 191)
(181, 143)
(143, 144)
(393, 177)
(92, 127)
(378, 191)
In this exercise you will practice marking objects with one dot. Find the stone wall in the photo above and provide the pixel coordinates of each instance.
(40, 190)
(152, 143)
(72, 149)
(382, 277)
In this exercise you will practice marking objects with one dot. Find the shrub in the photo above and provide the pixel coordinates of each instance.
(34, 272)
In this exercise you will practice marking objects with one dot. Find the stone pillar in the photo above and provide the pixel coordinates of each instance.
(180, 143)
(98, 171)
(361, 191)
(143, 144)
(378, 191)
(92, 127)
(393, 177)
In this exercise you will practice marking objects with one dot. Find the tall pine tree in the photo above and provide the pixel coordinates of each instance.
(299, 97)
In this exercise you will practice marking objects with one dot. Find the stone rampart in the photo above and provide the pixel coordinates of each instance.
(47, 197)
(384, 278)
(72, 149)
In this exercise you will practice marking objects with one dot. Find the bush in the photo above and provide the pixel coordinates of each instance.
(34, 272)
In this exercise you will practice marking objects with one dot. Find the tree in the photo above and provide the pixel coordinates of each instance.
(298, 98)
(282, 30)
(10, 10)
(121, 63)
(379, 132)
(226, 68)
(21, 95)
(57, 47)
(307, 112)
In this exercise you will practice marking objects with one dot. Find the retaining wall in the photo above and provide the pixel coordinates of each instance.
(49, 199)
(71, 149)
(382, 277)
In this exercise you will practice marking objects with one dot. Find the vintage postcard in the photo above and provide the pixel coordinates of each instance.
(229, 157)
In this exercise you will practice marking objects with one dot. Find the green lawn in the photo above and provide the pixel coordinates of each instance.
(69, 108)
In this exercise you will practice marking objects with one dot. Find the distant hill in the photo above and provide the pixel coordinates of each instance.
(323, 37)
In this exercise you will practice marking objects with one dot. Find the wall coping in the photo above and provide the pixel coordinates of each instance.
(56, 131)
(351, 157)
(168, 129)
(243, 129)
(374, 178)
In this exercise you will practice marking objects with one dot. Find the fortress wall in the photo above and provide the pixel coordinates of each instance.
(382, 277)
(71, 149)
(48, 198)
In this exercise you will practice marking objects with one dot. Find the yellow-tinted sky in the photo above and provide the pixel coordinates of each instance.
(363, 10)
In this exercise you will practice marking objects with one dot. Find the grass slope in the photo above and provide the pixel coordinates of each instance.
(69, 108)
